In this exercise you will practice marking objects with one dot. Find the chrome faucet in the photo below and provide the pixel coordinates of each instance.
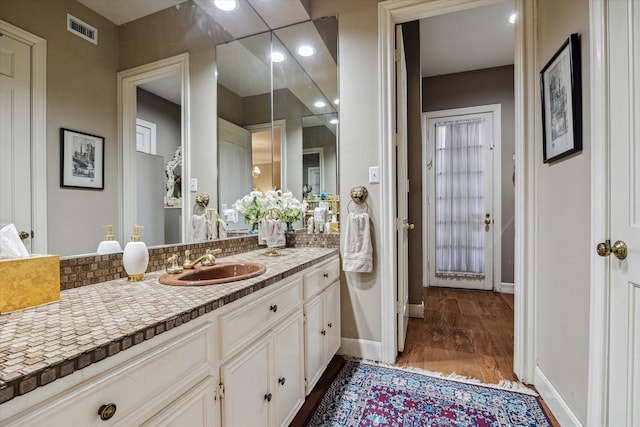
(207, 259)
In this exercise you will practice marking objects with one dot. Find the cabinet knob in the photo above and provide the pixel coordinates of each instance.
(267, 397)
(326, 275)
(323, 332)
(281, 381)
(330, 325)
(107, 411)
(274, 308)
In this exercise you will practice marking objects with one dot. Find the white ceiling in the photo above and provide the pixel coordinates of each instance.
(472, 39)
(122, 11)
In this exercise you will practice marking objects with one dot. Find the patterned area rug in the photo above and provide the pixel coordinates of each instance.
(372, 395)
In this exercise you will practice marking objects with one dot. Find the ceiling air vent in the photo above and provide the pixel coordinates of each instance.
(82, 29)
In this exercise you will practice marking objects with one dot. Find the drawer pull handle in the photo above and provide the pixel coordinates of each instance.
(326, 275)
(107, 411)
(330, 325)
(323, 332)
(267, 397)
(274, 308)
(281, 381)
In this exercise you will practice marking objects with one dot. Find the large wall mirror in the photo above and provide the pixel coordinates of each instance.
(270, 104)
(277, 103)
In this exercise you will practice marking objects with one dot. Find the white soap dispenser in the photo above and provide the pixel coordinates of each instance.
(135, 257)
(109, 245)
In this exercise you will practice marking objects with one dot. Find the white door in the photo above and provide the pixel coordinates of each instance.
(145, 136)
(234, 165)
(460, 150)
(15, 135)
(402, 192)
(624, 183)
(288, 348)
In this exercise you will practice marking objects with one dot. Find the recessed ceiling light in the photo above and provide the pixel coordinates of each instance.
(306, 50)
(226, 5)
(278, 56)
(334, 121)
(336, 101)
(513, 18)
(319, 104)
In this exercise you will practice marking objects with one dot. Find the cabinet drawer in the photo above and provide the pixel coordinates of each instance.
(240, 325)
(321, 277)
(137, 388)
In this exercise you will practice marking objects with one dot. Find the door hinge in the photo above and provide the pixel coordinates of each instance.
(399, 307)
(221, 390)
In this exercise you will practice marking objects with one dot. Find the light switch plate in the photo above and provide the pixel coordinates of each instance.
(193, 184)
(374, 175)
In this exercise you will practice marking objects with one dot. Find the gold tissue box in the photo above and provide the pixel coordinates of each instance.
(29, 282)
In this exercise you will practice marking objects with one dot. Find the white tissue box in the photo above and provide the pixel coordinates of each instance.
(29, 282)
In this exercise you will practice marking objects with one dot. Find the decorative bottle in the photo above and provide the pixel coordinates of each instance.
(135, 257)
(109, 245)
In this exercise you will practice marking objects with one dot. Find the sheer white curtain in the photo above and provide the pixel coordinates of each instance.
(459, 198)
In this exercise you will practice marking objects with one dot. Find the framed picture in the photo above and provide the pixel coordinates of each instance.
(561, 87)
(81, 160)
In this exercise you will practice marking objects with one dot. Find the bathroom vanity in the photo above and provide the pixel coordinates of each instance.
(244, 353)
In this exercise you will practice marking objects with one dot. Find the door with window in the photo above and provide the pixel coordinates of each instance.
(460, 150)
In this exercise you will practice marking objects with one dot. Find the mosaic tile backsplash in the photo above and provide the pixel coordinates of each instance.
(86, 270)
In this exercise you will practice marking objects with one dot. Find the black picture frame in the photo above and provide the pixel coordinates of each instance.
(81, 160)
(561, 99)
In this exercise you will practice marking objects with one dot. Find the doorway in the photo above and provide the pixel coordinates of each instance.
(29, 211)
(390, 14)
(461, 198)
(129, 82)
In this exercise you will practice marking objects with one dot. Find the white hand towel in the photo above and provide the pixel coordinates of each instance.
(198, 228)
(358, 252)
(262, 232)
(275, 234)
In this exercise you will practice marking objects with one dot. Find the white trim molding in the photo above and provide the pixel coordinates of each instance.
(559, 408)
(38, 46)
(598, 379)
(505, 288)
(416, 311)
(361, 349)
(127, 82)
(524, 352)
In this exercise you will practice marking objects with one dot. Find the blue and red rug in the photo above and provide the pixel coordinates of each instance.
(372, 395)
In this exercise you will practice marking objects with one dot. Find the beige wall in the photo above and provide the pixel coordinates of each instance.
(563, 223)
(359, 149)
(81, 95)
(483, 87)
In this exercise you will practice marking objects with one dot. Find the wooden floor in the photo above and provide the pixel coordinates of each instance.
(466, 332)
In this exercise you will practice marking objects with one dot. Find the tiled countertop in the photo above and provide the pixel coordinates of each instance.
(88, 324)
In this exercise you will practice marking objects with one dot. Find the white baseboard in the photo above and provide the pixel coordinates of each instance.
(554, 401)
(505, 288)
(416, 310)
(362, 349)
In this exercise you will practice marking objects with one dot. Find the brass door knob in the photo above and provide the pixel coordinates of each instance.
(619, 249)
(107, 411)
(24, 235)
(487, 219)
(408, 226)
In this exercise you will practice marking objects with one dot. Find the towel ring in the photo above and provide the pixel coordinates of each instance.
(359, 197)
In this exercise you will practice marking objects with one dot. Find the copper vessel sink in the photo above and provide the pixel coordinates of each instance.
(223, 272)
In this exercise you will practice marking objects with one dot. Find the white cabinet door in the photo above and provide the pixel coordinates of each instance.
(196, 408)
(289, 370)
(332, 323)
(247, 396)
(314, 344)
